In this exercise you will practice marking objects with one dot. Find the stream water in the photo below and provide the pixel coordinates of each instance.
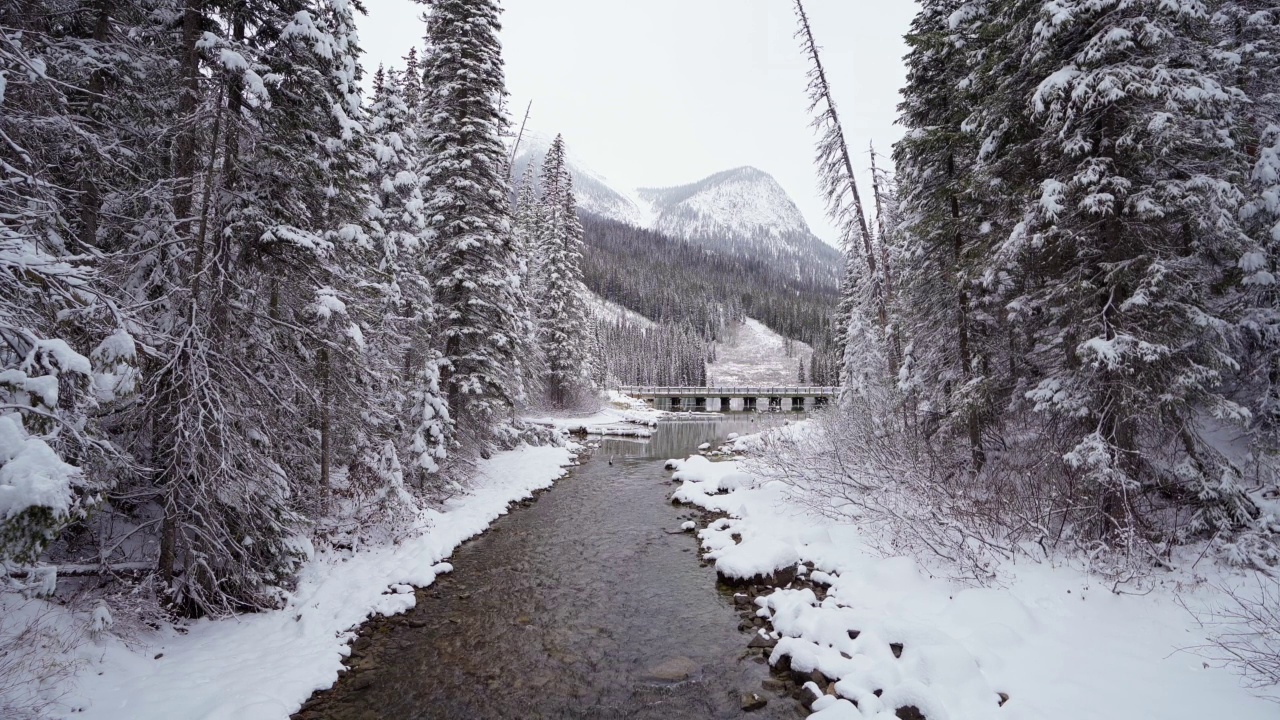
(587, 604)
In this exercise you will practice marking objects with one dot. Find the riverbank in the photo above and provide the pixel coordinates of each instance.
(872, 636)
(264, 666)
(621, 415)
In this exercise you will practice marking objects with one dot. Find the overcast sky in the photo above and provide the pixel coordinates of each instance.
(666, 92)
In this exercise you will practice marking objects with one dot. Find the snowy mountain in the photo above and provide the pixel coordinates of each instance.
(746, 213)
(743, 212)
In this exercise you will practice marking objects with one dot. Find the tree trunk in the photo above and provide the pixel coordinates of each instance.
(90, 195)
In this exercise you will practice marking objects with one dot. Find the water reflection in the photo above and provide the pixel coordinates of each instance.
(680, 437)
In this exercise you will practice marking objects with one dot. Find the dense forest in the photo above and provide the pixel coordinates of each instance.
(675, 281)
(247, 307)
(1059, 319)
(665, 354)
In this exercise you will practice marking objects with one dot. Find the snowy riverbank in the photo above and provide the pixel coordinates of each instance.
(622, 415)
(887, 634)
(264, 666)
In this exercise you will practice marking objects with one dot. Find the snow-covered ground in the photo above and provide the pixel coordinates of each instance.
(621, 415)
(266, 665)
(612, 312)
(752, 354)
(1053, 639)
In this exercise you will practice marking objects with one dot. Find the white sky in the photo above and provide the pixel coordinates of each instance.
(665, 92)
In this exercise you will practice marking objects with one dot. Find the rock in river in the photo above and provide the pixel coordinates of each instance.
(753, 701)
(677, 669)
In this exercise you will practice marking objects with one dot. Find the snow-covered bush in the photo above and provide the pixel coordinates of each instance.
(871, 460)
(39, 490)
(36, 491)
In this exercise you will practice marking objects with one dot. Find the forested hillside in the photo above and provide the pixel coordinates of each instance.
(678, 281)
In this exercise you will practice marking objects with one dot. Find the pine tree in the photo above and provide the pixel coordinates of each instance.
(412, 80)
(1125, 250)
(1249, 58)
(863, 313)
(264, 175)
(526, 232)
(562, 310)
(468, 212)
(946, 368)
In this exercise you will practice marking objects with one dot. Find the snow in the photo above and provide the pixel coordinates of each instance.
(623, 416)
(264, 666)
(754, 355)
(609, 311)
(1050, 636)
(31, 473)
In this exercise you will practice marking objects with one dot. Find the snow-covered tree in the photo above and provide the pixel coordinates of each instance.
(945, 370)
(863, 323)
(468, 212)
(1124, 251)
(562, 313)
(1248, 56)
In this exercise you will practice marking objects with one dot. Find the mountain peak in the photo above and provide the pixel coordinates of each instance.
(744, 201)
(744, 210)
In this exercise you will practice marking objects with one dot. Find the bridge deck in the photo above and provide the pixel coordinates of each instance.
(732, 392)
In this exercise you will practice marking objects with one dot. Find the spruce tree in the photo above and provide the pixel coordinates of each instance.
(1128, 340)
(468, 213)
(562, 310)
(945, 367)
(1249, 32)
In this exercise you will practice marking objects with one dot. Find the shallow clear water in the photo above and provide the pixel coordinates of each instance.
(564, 609)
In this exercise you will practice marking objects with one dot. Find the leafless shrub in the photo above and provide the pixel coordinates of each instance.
(35, 658)
(919, 501)
(874, 461)
(1245, 632)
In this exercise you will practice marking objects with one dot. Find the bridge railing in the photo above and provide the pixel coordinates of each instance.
(747, 391)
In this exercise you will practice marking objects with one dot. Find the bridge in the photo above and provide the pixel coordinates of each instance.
(796, 398)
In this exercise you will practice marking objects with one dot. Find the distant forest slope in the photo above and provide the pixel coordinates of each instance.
(675, 281)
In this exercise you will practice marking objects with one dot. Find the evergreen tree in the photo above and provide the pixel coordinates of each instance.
(468, 213)
(1249, 57)
(863, 325)
(563, 328)
(946, 369)
(526, 231)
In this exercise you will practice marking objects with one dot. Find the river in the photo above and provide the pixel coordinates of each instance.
(588, 603)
